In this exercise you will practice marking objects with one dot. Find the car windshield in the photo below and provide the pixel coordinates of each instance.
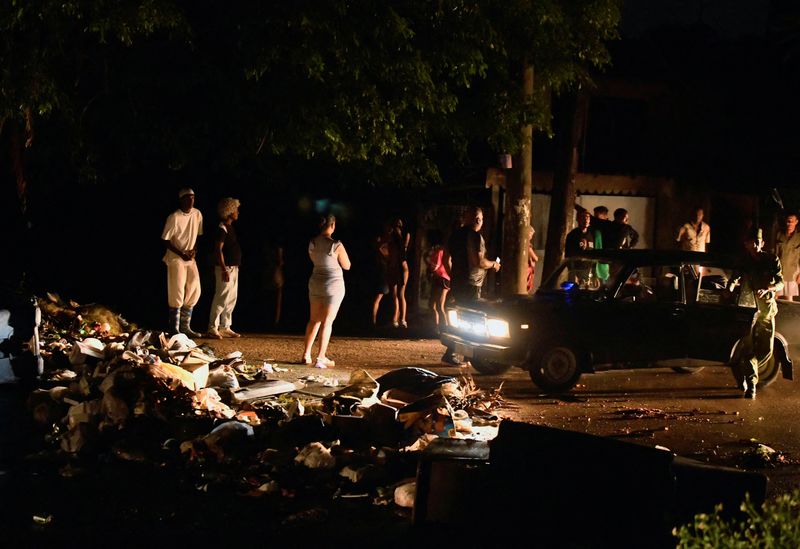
(583, 274)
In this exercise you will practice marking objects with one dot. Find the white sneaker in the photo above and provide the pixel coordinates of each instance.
(227, 332)
(213, 333)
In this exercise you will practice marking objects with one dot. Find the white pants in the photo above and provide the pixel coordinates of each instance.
(183, 283)
(225, 294)
(789, 289)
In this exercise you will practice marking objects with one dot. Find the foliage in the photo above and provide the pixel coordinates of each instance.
(777, 524)
(389, 89)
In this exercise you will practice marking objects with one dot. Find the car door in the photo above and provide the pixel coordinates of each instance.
(645, 316)
(716, 317)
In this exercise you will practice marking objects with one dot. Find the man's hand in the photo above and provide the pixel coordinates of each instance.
(763, 291)
(226, 275)
(496, 266)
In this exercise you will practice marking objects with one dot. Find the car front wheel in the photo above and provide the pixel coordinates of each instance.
(489, 368)
(556, 370)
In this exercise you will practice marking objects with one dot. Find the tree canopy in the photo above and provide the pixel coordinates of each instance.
(389, 89)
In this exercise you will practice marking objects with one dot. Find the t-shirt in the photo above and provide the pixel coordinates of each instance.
(693, 240)
(436, 265)
(182, 230)
(462, 243)
(579, 241)
(231, 251)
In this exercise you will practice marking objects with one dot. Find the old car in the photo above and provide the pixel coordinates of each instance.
(614, 309)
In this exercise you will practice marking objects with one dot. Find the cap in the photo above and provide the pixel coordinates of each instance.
(185, 191)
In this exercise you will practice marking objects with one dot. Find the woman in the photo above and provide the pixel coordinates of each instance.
(397, 271)
(325, 289)
(440, 279)
(532, 259)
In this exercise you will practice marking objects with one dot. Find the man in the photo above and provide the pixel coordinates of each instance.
(180, 234)
(620, 233)
(766, 279)
(582, 238)
(694, 235)
(465, 260)
(787, 247)
(227, 258)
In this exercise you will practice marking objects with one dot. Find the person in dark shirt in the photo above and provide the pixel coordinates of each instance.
(620, 234)
(583, 237)
(227, 259)
(465, 257)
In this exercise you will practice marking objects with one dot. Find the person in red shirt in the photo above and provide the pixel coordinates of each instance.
(440, 279)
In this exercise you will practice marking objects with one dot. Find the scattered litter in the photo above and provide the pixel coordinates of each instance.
(316, 456)
(405, 493)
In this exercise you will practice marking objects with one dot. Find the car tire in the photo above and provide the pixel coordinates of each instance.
(766, 374)
(489, 368)
(556, 370)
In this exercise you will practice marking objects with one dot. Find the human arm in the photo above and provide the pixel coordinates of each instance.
(634, 236)
(532, 257)
(219, 243)
(681, 234)
(476, 254)
(341, 255)
(186, 255)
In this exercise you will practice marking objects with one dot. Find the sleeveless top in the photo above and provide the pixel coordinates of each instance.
(327, 279)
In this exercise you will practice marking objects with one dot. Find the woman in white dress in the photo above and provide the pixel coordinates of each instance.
(325, 289)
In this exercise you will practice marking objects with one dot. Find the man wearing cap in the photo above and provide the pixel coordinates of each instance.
(180, 234)
(766, 279)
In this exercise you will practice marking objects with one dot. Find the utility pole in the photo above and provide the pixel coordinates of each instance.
(514, 271)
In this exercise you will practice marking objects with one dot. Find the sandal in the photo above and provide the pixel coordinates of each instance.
(323, 362)
(305, 360)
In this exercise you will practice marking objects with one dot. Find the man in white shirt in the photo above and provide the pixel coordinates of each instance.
(787, 248)
(694, 235)
(180, 234)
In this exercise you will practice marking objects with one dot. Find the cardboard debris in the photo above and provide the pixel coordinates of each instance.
(263, 390)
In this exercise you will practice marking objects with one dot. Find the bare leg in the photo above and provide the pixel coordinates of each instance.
(375, 306)
(316, 315)
(434, 305)
(278, 304)
(401, 297)
(327, 325)
(442, 299)
(396, 313)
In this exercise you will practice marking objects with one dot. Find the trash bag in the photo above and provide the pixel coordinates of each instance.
(415, 381)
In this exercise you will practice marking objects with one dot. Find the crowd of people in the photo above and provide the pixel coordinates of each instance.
(457, 268)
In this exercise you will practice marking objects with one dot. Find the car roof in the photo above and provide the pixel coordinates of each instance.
(658, 257)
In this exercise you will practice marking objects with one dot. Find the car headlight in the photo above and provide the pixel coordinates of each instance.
(497, 327)
(452, 317)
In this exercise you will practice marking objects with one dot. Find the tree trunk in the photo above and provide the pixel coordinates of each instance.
(514, 272)
(562, 198)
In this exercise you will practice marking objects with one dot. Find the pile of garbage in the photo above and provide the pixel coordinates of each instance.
(111, 389)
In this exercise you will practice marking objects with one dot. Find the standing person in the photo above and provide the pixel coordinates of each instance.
(766, 279)
(532, 260)
(466, 257)
(381, 270)
(180, 234)
(694, 235)
(582, 237)
(787, 247)
(325, 289)
(397, 271)
(440, 279)
(274, 279)
(620, 233)
(227, 260)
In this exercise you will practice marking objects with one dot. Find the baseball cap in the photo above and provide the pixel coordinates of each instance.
(185, 191)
